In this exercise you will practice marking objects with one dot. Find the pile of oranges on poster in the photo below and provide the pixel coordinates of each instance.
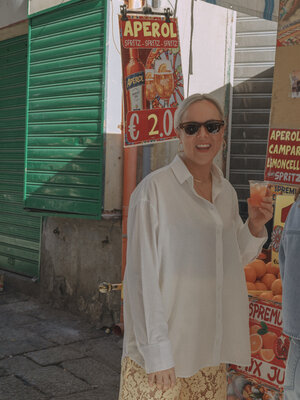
(263, 279)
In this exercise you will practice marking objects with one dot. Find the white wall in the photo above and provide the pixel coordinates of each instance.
(12, 11)
(113, 116)
(114, 71)
(39, 5)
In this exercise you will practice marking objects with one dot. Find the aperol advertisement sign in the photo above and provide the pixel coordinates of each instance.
(283, 156)
(152, 78)
(269, 346)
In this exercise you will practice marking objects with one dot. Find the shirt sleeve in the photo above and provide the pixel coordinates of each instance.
(143, 291)
(250, 246)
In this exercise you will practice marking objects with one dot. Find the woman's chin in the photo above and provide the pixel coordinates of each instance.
(201, 158)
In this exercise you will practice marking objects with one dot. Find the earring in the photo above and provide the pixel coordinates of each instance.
(180, 147)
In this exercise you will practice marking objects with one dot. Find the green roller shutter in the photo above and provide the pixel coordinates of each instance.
(19, 231)
(64, 163)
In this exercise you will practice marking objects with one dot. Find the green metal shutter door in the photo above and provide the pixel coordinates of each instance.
(19, 232)
(65, 110)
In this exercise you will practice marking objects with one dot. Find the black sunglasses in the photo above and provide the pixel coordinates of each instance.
(212, 126)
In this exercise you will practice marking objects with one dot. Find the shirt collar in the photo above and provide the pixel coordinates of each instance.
(183, 174)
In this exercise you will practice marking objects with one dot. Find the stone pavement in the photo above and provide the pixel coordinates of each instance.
(51, 354)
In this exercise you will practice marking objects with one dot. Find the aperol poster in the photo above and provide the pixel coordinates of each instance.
(283, 156)
(269, 345)
(152, 77)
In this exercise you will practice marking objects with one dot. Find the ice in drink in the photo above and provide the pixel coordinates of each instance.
(258, 190)
(164, 79)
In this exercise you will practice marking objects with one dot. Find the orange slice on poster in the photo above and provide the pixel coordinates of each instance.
(267, 355)
(256, 343)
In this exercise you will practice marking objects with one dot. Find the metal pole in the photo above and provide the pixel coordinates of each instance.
(147, 153)
(155, 4)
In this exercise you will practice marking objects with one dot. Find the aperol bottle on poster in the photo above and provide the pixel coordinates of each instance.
(135, 82)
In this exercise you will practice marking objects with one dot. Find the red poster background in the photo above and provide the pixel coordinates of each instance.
(283, 156)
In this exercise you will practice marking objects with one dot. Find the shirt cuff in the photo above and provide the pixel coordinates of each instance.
(157, 357)
(252, 244)
(263, 235)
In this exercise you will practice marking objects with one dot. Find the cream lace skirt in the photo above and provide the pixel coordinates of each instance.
(209, 383)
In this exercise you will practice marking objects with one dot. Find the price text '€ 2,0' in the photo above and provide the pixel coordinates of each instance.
(150, 125)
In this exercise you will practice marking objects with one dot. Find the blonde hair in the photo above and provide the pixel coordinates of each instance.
(181, 109)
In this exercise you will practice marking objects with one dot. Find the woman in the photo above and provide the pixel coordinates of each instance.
(289, 262)
(185, 298)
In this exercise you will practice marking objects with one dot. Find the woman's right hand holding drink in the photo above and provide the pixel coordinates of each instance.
(258, 190)
(260, 208)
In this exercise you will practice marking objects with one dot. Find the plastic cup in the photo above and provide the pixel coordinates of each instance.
(258, 190)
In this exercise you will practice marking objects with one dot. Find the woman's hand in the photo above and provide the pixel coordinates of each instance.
(164, 380)
(259, 216)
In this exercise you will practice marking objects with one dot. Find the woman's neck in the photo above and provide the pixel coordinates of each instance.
(200, 172)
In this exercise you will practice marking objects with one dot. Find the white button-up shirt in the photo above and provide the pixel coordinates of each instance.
(185, 296)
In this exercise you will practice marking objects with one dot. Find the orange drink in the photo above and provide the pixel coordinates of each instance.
(150, 85)
(164, 80)
(258, 190)
(164, 83)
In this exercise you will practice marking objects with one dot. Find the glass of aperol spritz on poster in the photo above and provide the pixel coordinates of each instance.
(164, 80)
(258, 190)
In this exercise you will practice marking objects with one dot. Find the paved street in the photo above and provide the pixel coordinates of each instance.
(52, 354)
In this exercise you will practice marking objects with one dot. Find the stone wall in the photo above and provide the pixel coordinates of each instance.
(77, 255)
